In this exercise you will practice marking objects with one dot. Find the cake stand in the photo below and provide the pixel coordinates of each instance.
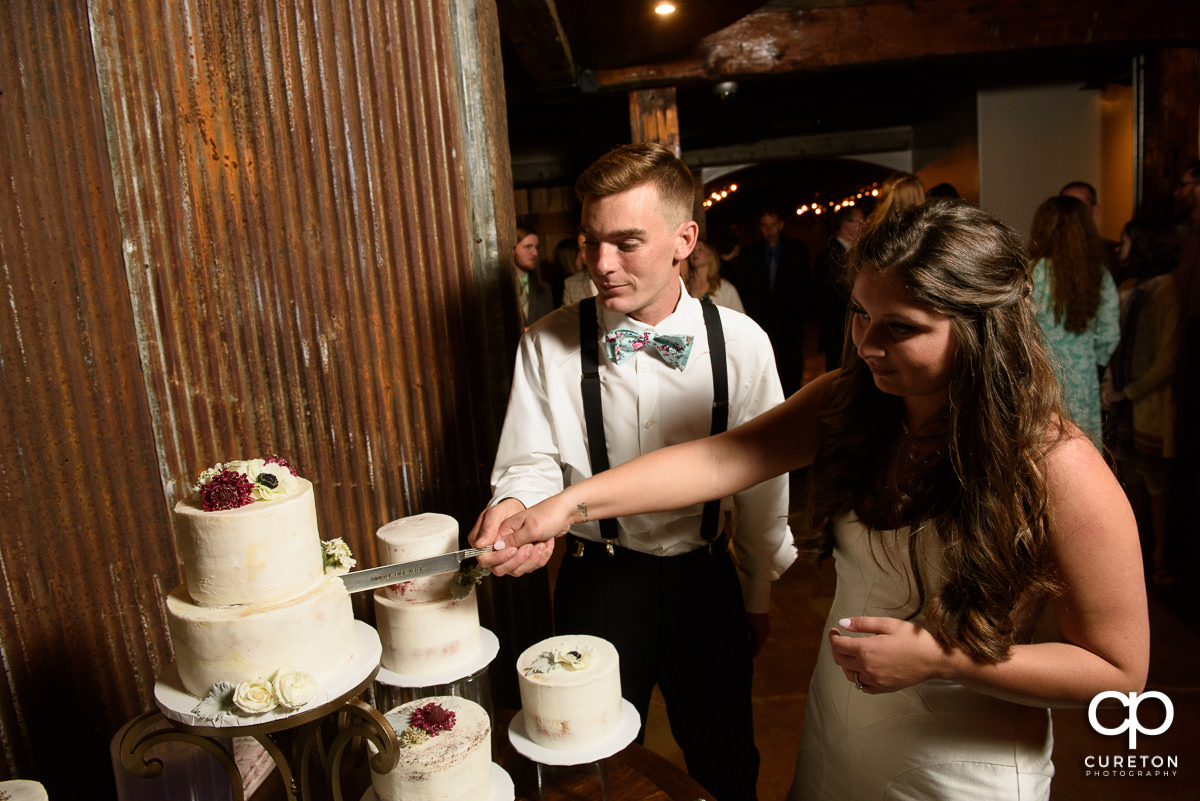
(294, 739)
(625, 733)
(502, 787)
(468, 680)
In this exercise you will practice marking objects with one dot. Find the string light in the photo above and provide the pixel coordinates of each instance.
(664, 9)
(816, 207)
(718, 195)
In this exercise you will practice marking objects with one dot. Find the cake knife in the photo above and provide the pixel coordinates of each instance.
(382, 576)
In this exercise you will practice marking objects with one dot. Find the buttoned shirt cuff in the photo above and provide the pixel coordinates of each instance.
(529, 499)
(756, 594)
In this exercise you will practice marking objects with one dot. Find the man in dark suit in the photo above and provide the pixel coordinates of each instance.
(829, 293)
(773, 280)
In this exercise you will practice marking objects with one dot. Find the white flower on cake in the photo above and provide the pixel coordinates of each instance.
(255, 696)
(336, 555)
(208, 475)
(264, 474)
(574, 658)
(293, 687)
(562, 658)
(290, 688)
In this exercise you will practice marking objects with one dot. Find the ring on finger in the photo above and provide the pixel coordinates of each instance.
(858, 685)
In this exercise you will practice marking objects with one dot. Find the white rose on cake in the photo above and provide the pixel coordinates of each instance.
(293, 687)
(255, 696)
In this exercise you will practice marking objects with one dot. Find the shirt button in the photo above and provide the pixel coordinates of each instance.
(649, 424)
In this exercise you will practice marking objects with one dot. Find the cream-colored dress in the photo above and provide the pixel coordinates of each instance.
(934, 740)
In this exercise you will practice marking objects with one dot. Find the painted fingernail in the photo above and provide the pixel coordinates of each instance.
(844, 622)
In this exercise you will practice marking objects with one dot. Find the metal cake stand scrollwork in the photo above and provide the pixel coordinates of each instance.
(300, 742)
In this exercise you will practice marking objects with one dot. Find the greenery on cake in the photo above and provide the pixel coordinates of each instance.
(336, 556)
(470, 573)
(561, 659)
(232, 485)
(290, 688)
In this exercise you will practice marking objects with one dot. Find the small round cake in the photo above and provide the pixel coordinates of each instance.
(570, 691)
(22, 790)
(445, 752)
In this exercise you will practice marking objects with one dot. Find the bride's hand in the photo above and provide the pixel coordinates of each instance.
(899, 655)
(523, 538)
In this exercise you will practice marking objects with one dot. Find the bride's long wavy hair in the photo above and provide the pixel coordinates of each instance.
(986, 497)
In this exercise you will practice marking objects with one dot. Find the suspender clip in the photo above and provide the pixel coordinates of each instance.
(608, 546)
(578, 548)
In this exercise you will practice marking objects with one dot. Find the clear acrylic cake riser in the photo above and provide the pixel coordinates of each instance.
(469, 680)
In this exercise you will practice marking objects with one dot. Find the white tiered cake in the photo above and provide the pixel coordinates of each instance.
(570, 691)
(258, 623)
(422, 626)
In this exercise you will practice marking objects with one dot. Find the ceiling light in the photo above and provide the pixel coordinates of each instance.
(664, 9)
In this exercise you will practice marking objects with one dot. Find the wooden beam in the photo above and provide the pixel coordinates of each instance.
(824, 145)
(779, 42)
(535, 34)
(654, 117)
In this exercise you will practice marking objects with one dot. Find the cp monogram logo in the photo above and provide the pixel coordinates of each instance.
(1131, 723)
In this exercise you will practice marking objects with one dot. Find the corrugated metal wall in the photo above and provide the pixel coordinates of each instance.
(231, 229)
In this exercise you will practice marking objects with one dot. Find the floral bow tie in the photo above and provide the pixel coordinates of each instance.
(623, 343)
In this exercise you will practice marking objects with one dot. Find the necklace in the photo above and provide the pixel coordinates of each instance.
(923, 448)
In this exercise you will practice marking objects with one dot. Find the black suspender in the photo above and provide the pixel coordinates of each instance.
(589, 361)
(720, 410)
(593, 415)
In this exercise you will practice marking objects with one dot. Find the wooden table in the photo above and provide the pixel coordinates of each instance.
(634, 774)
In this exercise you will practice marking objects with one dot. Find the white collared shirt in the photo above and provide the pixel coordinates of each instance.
(647, 405)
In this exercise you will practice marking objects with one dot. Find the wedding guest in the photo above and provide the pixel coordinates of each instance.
(1139, 386)
(773, 280)
(829, 291)
(704, 278)
(1076, 303)
(900, 191)
(535, 296)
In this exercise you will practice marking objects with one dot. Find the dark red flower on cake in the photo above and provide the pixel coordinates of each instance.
(279, 460)
(432, 719)
(226, 490)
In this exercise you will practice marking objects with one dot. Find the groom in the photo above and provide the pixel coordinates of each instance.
(655, 367)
